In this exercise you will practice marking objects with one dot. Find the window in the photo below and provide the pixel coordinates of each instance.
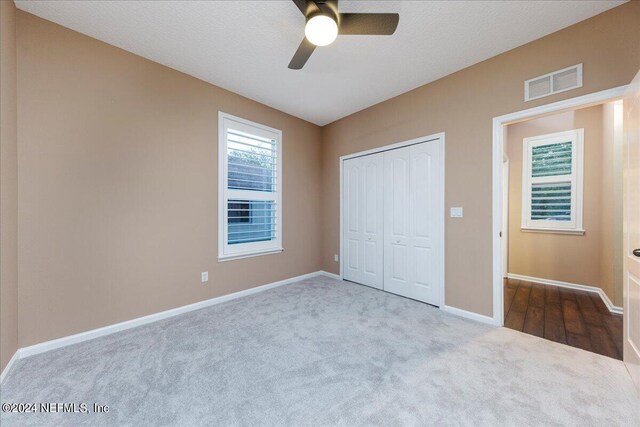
(552, 182)
(250, 187)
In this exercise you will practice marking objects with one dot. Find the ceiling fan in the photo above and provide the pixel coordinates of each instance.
(324, 23)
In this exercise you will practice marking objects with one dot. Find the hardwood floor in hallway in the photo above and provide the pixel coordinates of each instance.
(577, 318)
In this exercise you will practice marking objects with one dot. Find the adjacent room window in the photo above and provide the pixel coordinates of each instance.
(552, 182)
(250, 188)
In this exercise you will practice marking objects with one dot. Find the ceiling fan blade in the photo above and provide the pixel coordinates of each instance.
(302, 5)
(383, 24)
(301, 56)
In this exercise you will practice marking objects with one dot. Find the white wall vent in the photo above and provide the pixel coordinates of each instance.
(552, 83)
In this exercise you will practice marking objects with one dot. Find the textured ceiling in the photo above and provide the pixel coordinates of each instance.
(245, 46)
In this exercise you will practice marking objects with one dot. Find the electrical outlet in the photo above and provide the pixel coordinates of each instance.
(457, 212)
(204, 276)
(336, 257)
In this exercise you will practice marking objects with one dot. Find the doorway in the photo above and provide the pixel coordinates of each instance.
(561, 222)
(392, 219)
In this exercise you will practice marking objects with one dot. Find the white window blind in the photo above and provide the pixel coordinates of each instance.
(250, 210)
(552, 182)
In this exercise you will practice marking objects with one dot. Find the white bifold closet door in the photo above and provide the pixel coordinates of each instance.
(413, 221)
(362, 215)
(393, 221)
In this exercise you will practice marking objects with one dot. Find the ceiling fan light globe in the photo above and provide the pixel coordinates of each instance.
(321, 30)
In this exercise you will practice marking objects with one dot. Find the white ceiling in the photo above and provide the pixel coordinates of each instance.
(245, 46)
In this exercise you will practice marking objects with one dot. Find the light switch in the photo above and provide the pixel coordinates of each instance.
(457, 213)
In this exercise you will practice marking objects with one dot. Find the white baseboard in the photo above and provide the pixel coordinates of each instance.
(331, 275)
(452, 310)
(468, 315)
(7, 368)
(612, 308)
(111, 329)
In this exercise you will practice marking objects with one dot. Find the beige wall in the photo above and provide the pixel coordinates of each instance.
(586, 259)
(463, 105)
(117, 179)
(8, 186)
(118, 186)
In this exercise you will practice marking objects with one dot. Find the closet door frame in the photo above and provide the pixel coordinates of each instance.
(429, 138)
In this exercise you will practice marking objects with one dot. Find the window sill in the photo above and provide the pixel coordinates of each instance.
(571, 232)
(222, 258)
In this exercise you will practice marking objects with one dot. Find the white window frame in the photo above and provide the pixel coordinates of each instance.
(250, 249)
(574, 226)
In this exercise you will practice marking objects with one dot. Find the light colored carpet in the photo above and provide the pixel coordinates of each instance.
(324, 352)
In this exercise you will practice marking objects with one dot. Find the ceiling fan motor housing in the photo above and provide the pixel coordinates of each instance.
(326, 8)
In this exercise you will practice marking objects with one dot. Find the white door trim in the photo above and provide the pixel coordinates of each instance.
(498, 147)
(505, 215)
(428, 138)
(414, 141)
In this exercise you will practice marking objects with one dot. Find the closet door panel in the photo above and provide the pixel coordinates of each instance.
(362, 239)
(397, 233)
(427, 217)
(353, 257)
(351, 217)
(372, 214)
(413, 217)
(423, 176)
(398, 269)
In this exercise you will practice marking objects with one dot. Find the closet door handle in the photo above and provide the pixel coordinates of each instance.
(636, 252)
